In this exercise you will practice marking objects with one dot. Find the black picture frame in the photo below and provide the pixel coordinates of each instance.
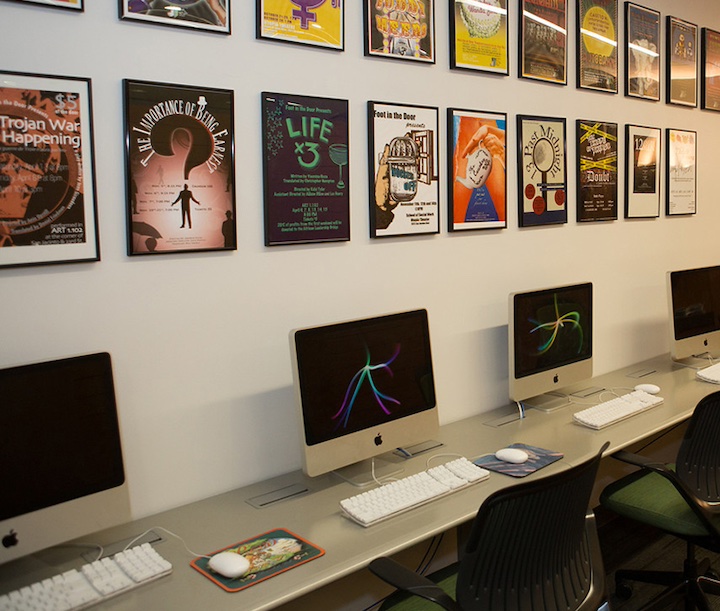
(642, 51)
(73, 5)
(479, 37)
(179, 149)
(47, 170)
(710, 70)
(597, 170)
(411, 38)
(539, 59)
(597, 45)
(643, 148)
(403, 169)
(320, 26)
(205, 15)
(680, 172)
(542, 170)
(682, 62)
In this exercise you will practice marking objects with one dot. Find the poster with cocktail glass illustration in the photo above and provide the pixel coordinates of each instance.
(477, 183)
(642, 182)
(403, 164)
(542, 171)
(180, 168)
(305, 168)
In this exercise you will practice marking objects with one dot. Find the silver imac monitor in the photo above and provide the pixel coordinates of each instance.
(61, 464)
(694, 305)
(550, 335)
(363, 388)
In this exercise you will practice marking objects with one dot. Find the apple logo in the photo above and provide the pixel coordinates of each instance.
(556, 379)
(705, 342)
(10, 539)
(378, 440)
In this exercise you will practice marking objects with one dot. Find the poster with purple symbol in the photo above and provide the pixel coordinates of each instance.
(211, 15)
(305, 168)
(180, 168)
(317, 23)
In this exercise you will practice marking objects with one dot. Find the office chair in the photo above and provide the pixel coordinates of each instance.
(532, 546)
(684, 501)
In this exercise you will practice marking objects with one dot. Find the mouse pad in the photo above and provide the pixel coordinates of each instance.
(269, 554)
(537, 459)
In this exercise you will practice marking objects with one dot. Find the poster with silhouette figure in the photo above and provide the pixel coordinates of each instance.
(305, 169)
(404, 187)
(180, 168)
(47, 177)
(211, 15)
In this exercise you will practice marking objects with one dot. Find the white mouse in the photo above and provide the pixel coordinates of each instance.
(648, 388)
(229, 564)
(512, 455)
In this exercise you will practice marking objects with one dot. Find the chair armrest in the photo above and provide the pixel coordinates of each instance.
(406, 580)
(640, 461)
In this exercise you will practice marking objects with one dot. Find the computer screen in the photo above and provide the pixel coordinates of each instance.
(694, 303)
(61, 464)
(364, 387)
(550, 343)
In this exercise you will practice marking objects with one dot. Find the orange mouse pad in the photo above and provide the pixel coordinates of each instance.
(269, 554)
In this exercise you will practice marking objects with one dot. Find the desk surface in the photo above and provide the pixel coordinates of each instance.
(219, 521)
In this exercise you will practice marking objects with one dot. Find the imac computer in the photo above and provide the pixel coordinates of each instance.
(363, 388)
(694, 304)
(550, 345)
(61, 464)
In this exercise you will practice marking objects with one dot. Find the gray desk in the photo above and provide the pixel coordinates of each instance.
(225, 519)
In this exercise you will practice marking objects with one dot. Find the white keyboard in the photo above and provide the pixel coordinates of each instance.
(709, 374)
(92, 583)
(609, 412)
(373, 506)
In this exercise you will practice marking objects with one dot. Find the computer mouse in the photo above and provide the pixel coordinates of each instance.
(512, 455)
(648, 388)
(229, 564)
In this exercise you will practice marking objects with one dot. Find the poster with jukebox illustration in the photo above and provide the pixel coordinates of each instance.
(404, 188)
(542, 171)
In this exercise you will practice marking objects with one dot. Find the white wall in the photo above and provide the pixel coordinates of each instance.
(200, 341)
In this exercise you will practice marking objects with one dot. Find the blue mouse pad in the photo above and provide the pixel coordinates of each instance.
(537, 459)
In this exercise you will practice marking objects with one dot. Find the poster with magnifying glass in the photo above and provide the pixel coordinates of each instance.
(542, 171)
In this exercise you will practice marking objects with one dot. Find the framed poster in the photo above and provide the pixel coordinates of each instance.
(210, 15)
(597, 178)
(682, 62)
(403, 164)
(319, 23)
(543, 40)
(681, 175)
(48, 209)
(479, 35)
(400, 30)
(710, 70)
(542, 171)
(477, 183)
(597, 25)
(642, 52)
(642, 183)
(76, 5)
(180, 169)
(305, 169)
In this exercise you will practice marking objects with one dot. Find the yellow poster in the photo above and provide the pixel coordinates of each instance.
(310, 22)
(480, 35)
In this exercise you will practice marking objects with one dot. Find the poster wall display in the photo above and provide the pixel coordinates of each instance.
(477, 183)
(642, 52)
(710, 70)
(597, 179)
(479, 35)
(682, 62)
(597, 66)
(180, 168)
(400, 30)
(681, 190)
(543, 40)
(318, 23)
(404, 188)
(76, 5)
(210, 15)
(305, 169)
(542, 171)
(642, 183)
(47, 175)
